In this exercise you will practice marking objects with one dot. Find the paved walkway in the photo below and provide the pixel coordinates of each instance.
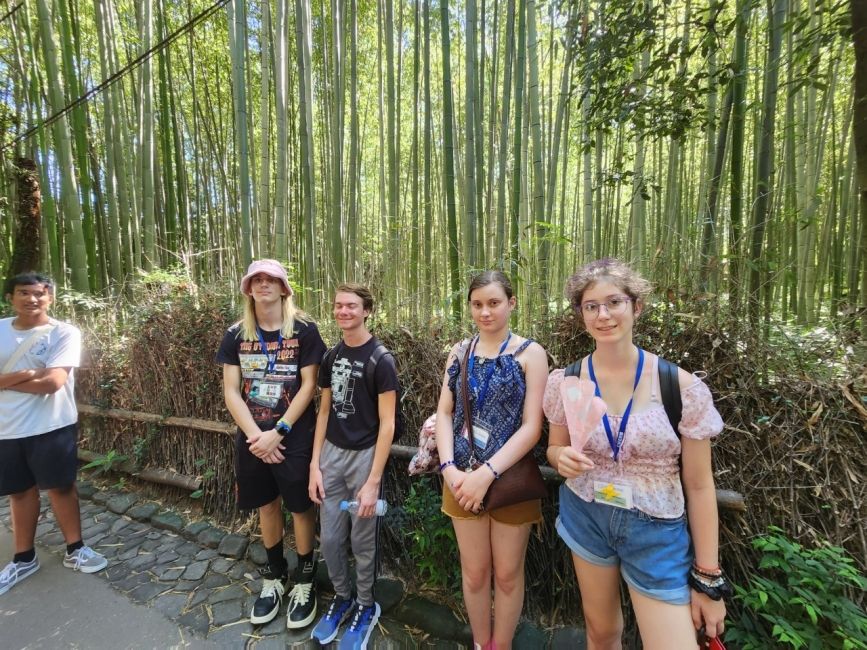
(46, 611)
(192, 587)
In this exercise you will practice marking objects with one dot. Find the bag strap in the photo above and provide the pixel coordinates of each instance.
(27, 344)
(573, 369)
(331, 355)
(669, 388)
(468, 411)
(370, 368)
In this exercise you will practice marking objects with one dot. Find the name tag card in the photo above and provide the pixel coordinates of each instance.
(618, 495)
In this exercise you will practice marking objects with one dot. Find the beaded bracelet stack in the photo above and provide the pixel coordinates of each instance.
(711, 582)
(449, 463)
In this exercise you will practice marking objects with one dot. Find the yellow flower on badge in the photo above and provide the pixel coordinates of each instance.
(610, 492)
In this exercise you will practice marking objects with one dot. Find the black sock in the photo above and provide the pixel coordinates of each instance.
(71, 548)
(26, 556)
(276, 562)
(304, 561)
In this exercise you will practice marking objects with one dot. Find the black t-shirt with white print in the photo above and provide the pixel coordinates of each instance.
(268, 395)
(354, 419)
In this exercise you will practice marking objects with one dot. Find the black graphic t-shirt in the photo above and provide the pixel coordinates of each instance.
(268, 388)
(354, 419)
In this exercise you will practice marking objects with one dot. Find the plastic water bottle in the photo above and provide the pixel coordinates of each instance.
(352, 507)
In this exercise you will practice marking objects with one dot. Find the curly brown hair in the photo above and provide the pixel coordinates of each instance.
(613, 270)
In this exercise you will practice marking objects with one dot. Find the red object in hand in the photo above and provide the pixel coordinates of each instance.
(713, 643)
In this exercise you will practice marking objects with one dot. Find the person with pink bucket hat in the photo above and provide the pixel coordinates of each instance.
(270, 363)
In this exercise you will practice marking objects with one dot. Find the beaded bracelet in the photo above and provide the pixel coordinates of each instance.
(711, 573)
(491, 467)
(448, 463)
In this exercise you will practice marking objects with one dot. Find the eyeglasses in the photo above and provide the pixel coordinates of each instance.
(614, 305)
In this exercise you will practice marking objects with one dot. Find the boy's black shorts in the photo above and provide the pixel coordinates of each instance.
(49, 460)
(259, 483)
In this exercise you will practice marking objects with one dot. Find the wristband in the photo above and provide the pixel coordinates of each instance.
(282, 427)
(493, 471)
(446, 464)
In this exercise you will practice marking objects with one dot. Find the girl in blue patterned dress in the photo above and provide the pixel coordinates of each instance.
(506, 377)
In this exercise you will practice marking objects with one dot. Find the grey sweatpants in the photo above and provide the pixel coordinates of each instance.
(344, 471)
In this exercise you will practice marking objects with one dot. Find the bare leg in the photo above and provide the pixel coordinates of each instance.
(600, 598)
(663, 626)
(509, 548)
(64, 503)
(474, 542)
(271, 522)
(304, 527)
(25, 514)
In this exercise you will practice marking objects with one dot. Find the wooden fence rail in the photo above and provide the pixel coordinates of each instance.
(726, 499)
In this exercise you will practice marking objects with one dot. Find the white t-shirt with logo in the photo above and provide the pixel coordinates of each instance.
(25, 414)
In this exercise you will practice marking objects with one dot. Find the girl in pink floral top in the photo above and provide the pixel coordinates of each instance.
(622, 507)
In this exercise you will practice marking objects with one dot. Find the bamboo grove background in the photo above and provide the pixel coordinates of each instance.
(407, 142)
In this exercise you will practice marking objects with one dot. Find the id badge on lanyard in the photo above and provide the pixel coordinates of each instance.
(263, 392)
(618, 495)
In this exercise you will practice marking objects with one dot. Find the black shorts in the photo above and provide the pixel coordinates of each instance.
(49, 460)
(259, 483)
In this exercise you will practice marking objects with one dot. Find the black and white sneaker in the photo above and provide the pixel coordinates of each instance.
(268, 603)
(302, 606)
(302, 598)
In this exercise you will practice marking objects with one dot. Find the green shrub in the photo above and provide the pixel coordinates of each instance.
(434, 549)
(800, 598)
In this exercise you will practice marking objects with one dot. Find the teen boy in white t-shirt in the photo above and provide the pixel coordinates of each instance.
(38, 426)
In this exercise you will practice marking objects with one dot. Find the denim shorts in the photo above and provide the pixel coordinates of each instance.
(654, 554)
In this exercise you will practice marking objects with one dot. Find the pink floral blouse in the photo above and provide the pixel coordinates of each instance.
(649, 458)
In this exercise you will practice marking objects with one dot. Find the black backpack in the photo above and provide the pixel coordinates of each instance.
(669, 387)
(370, 379)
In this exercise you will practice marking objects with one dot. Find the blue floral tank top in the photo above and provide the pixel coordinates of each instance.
(503, 407)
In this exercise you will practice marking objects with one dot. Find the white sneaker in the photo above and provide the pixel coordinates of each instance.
(15, 572)
(85, 560)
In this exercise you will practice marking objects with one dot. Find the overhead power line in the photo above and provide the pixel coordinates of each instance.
(158, 47)
(10, 13)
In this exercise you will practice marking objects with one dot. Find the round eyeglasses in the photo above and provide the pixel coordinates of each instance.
(614, 305)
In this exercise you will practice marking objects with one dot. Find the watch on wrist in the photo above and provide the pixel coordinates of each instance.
(282, 427)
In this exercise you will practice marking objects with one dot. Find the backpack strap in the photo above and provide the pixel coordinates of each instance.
(329, 357)
(573, 369)
(669, 388)
(370, 368)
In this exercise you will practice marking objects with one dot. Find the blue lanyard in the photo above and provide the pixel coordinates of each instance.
(616, 445)
(483, 393)
(269, 361)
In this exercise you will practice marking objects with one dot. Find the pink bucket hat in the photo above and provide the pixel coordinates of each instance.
(268, 267)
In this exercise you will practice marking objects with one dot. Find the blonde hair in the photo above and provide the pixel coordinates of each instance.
(290, 313)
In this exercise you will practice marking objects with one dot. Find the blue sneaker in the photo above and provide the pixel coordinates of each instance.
(363, 623)
(338, 611)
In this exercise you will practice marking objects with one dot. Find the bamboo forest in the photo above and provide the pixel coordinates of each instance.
(409, 143)
(151, 149)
